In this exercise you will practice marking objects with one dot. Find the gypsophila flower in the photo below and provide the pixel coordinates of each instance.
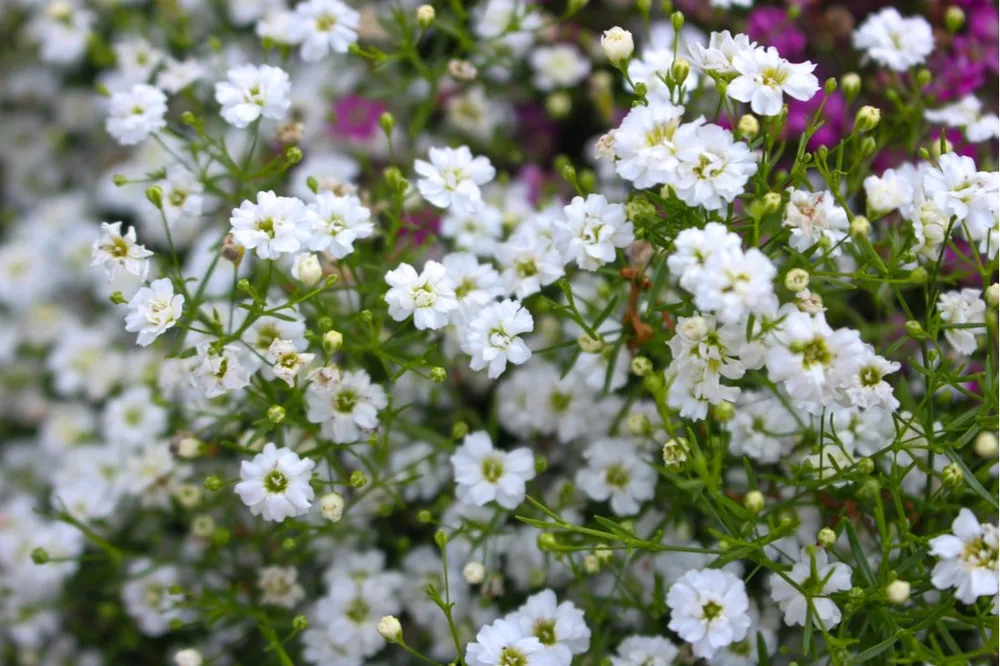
(272, 226)
(713, 169)
(137, 113)
(429, 296)
(492, 339)
(117, 252)
(815, 218)
(218, 371)
(818, 578)
(709, 609)
(959, 308)
(275, 484)
(345, 404)
(250, 92)
(764, 75)
(645, 651)
(153, 310)
(592, 230)
(286, 360)
(560, 627)
(894, 41)
(503, 643)
(452, 178)
(335, 222)
(558, 66)
(279, 586)
(617, 473)
(322, 26)
(484, 474)
(968, 558)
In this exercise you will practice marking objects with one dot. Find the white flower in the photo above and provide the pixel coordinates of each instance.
(893, 41)
(593, 228)
(429, 296)
(828, 578)
(558, 66)
(815, 217)
(183, 194)
(529, 264)
(694, 249)
(188, 657)
(476, 285)
(968, 558)
(764, 75)
(645, 651)
(647, 141)
(957, 189)
(866, 387)
(617, 44)
(491, 337)
(62, 30)
(136, 59)
(251, 92)
(177, 75)
(962, 307)
(718, 57)
(135, 114)
(503, 643)
(452, 177)
(324, 26)
(219, 371)
(345, 405)
(117, 252)
(616, 472)
(889, 191)
(306, 269)
(286, 360)
(736, 283)
(279, 586)
(148, 599)
(560, 627)
(811, 358)
(710, 609)
(275, 484)
(484, 474)
(133, 418)
(713, 169)
(153, 310)
(761, 428)
(272, 226)
(335, 222)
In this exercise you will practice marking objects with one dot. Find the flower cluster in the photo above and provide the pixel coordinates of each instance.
(499, 333)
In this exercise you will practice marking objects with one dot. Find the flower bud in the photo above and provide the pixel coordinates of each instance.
(860, 227)
(830, 86)
(306, 269)
(358, 479)
(772, 202)
(867, 146)
(154, 193)
(749, 126)
(591, 565)
(441, 539)
(40, 556)
(390, 629)
(675, 453)
(897, 592)
(986, 445)
(954, 18)
(386, 122)
(425, 16)
(474, 573)
(618, 45)
(462, 70)
(754, 501)
(120, 180)
(394, 178)
(276, 414)
(677, 20)
(680, 70)
(231, 250)
(213, 484)
(332, 341)
(952, 475)
(558, 105)
(293, 155)
(188, 495)
(826, 537)
(589, 344)
(300, 623)
(641, 366)
(459, 430)
(332, 506)
(438, 374)
(924, 77)
(797, 279)
(189, 657)
(867, 118)
(203, 526)
(424, 517)
(723, 412)
(914, 329)
(547, 541)
(918, 275)
(850, 83)
(992, 295)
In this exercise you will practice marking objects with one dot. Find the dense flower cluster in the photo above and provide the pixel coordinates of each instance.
(499, 333)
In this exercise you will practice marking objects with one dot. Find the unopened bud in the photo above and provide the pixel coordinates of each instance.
(154, 193)
(867, 146)
(332, 506)
(680, 70)
(591, 564)
(618, 45)
(332, 341)
(754, 501)
(826, 537)
(850, 83)
(117, 298)
(867, 118)
(918, 275)
(425, 16)
(438, 374)
(39, 556)
(474, 573)
(830, 86)
(952, 475)
(897, 592)
(992, 295)
(390, 629)
(358, 479)
(986, 445)
(772, 202)
(641, 366)
(189, 657)
(386, 122)
(797, 279)
(213, 484)
(954, 18)
(723, 411)
(677, 20)
(306, 269)
(558, 105)
(462, 70)
(231, 250)
(749, 126)
(203, 526)
(860, 227)
(120, 180)
(276, 414)
(293, 155)
(589, 344)
(300, 623)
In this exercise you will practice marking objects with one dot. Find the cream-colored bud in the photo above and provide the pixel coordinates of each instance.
(462, 70)
(590, 345)
(897, 592)
(748, 126)
(797, 279)
(202, 526)
(992, 295)
(826, 537)
(306, 269)
(333, 341)
(867, 118)
(754, 501)
(618, 44)
(390, 629)
(474, 573)
(986, 445)
(425, 16)
(860, 227)
(332, 506)
(189, 657)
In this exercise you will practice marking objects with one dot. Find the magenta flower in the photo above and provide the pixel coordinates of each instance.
(356, 118)
(834, 123)
(771, 27)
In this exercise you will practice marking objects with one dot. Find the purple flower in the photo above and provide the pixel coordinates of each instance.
(772, 27)
(356, 118)
(801, 113)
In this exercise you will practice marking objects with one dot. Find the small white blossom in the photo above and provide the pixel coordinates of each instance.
(452, 177)
(335, 222)
(153, 310)
(324, 26)
(286, 360)
(492, 339)
(275, 484)
(135, 114)
(592, 230)
(958, 308)
(764, 75)
(968, 558)
(272, 226)
(250, 92)
(484, 474)
(710, 609)
(827, 579)
(118, 252)
(429, 296)
(894, 41)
